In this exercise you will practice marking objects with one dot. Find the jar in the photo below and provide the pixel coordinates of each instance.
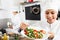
(30, 0)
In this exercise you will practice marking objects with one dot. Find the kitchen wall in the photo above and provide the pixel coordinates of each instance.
(6, 6)
(3, 14)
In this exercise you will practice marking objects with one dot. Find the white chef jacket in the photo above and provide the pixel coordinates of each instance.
(16, 20)
(54, 27)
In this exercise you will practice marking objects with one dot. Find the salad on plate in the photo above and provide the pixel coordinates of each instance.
(32, 33)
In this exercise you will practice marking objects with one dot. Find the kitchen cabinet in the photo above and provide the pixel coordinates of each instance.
(0, 5)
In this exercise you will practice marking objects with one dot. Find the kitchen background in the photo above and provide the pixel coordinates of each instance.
(9, 5)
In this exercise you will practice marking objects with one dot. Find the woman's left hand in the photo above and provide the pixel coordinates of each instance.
(51, 35)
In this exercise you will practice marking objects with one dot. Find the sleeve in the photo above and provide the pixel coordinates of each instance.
(16, 24)
(57, 36)
(16, 27)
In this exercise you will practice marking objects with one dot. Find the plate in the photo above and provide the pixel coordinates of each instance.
(45, 36)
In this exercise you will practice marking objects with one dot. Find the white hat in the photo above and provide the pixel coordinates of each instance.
(52, 6)
(14, 9)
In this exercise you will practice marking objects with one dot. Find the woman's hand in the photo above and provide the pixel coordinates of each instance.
(23, 25)
(43, 31)
(51, 35)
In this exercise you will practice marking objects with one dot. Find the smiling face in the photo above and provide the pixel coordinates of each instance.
(51, 15)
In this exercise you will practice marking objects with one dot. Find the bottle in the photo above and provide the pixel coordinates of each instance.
(16, 37)
(5, 37)
(30, 0)
(0, 35)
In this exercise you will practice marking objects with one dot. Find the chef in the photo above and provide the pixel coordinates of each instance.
(16, 24)
(52, 25)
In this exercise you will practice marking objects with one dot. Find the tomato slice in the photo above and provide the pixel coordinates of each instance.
(36, 35)
(42, 31)
(35, 31)
(25, 32)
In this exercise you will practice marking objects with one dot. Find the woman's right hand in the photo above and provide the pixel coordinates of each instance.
(23, 25)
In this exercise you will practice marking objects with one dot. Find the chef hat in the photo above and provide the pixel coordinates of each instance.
(14, 9)
(53, 6)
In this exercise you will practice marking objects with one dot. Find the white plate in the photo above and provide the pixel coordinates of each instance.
(45, 36)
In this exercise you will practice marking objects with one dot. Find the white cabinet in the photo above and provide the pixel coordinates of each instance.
(9, 4)
(0, 5)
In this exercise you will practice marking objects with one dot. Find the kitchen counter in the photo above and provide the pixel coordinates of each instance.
(20, 38)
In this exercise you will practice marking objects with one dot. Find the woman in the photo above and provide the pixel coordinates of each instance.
(52, 25)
